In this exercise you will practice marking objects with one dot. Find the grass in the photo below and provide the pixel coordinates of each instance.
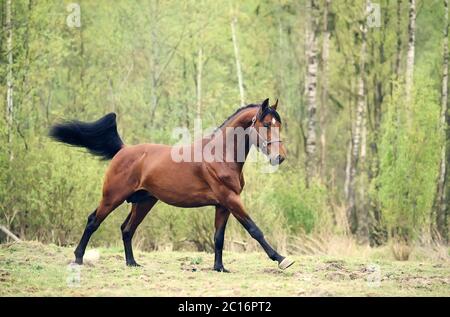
(35, 269)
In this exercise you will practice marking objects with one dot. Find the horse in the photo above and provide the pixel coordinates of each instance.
(145, 173)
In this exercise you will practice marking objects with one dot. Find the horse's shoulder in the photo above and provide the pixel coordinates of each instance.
(227, 177)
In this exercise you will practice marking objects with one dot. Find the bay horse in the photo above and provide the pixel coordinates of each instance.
(145, 173)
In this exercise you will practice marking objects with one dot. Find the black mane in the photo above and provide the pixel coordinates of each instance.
(236, 112)
(268, 110)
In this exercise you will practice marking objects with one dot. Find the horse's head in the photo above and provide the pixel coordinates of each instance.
(267, 124)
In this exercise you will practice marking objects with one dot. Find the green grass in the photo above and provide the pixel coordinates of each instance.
(35, 269)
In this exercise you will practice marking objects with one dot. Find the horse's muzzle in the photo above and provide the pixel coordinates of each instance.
(277, 160)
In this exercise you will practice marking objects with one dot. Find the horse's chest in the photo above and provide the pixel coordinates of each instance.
(242, 181)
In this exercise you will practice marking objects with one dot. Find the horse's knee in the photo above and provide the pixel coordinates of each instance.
(127, 235)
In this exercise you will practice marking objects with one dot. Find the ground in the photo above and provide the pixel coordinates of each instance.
(35, 269)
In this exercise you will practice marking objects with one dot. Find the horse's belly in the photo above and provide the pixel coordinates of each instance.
(179, 184)
(182, 192)
(184, 199)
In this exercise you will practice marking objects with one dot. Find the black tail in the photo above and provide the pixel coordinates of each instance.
(99, 137)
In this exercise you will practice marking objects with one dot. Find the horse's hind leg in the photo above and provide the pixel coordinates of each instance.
(138, 212)
(94, 220)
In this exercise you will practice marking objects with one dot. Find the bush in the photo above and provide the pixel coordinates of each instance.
(409, 155)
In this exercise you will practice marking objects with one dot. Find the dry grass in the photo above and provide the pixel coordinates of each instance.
(401, 250)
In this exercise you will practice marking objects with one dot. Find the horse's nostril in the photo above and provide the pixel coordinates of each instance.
(280, 159)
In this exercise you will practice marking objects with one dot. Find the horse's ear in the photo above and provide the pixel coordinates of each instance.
(274, 106)
(263, 108)
(265, 104)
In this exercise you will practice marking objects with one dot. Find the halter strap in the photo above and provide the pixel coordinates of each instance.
(265, 142)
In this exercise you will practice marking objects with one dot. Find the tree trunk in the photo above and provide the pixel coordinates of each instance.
(358, 217)
(348, 168)
(238, 60)
(9, 77)
(154, 62)
(398, 55)
(311, 91)
(348, 162)
(324, 95)
(409, 81)
(441, 203)
(199, 82)
(377, 231)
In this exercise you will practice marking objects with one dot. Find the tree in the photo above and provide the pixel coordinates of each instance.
(311, 90)
(10, 78)
(409, 80)
(358, 215)
(398, 55)
(237, 58)
(324, 81)
(441, 201)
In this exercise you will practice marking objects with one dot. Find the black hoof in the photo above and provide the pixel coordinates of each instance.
(221, 269)
(79, 261)
(133, 264)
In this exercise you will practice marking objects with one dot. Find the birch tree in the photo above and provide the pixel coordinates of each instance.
(199, 81)
(311, 90)
(441, 202)
(358, 217)
(409, 80)
(238, 59)
(9, 78)
(324, 80)
(398, 53)
(378, 47)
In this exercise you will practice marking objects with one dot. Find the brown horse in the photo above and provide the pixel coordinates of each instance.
(145, 173)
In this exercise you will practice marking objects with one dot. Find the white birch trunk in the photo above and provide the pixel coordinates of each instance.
(398, 55)
(199, 82)
(440, 205)
(348, 167)
(409, 80)
(9, 77)
(311, 92)
(238, 60)
(324, 76)
(357, 221)
(154, 60)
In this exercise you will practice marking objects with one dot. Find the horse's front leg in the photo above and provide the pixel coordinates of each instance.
(234, 204)
(220, 223)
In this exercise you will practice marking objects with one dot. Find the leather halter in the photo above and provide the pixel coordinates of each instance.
(265, 143)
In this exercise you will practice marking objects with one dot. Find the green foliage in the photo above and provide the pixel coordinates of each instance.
(300, 206)
(409, 160)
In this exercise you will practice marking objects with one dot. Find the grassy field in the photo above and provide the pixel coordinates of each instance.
(35, 269)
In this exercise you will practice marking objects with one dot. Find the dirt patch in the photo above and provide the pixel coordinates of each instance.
(337, 276)
(422, 282)
(332, 265)
(5, 276)
(335, 270)
(273, 271)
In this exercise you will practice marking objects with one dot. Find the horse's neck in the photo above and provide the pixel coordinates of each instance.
(241, 120)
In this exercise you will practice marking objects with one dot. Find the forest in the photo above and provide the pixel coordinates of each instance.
(363, 96)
